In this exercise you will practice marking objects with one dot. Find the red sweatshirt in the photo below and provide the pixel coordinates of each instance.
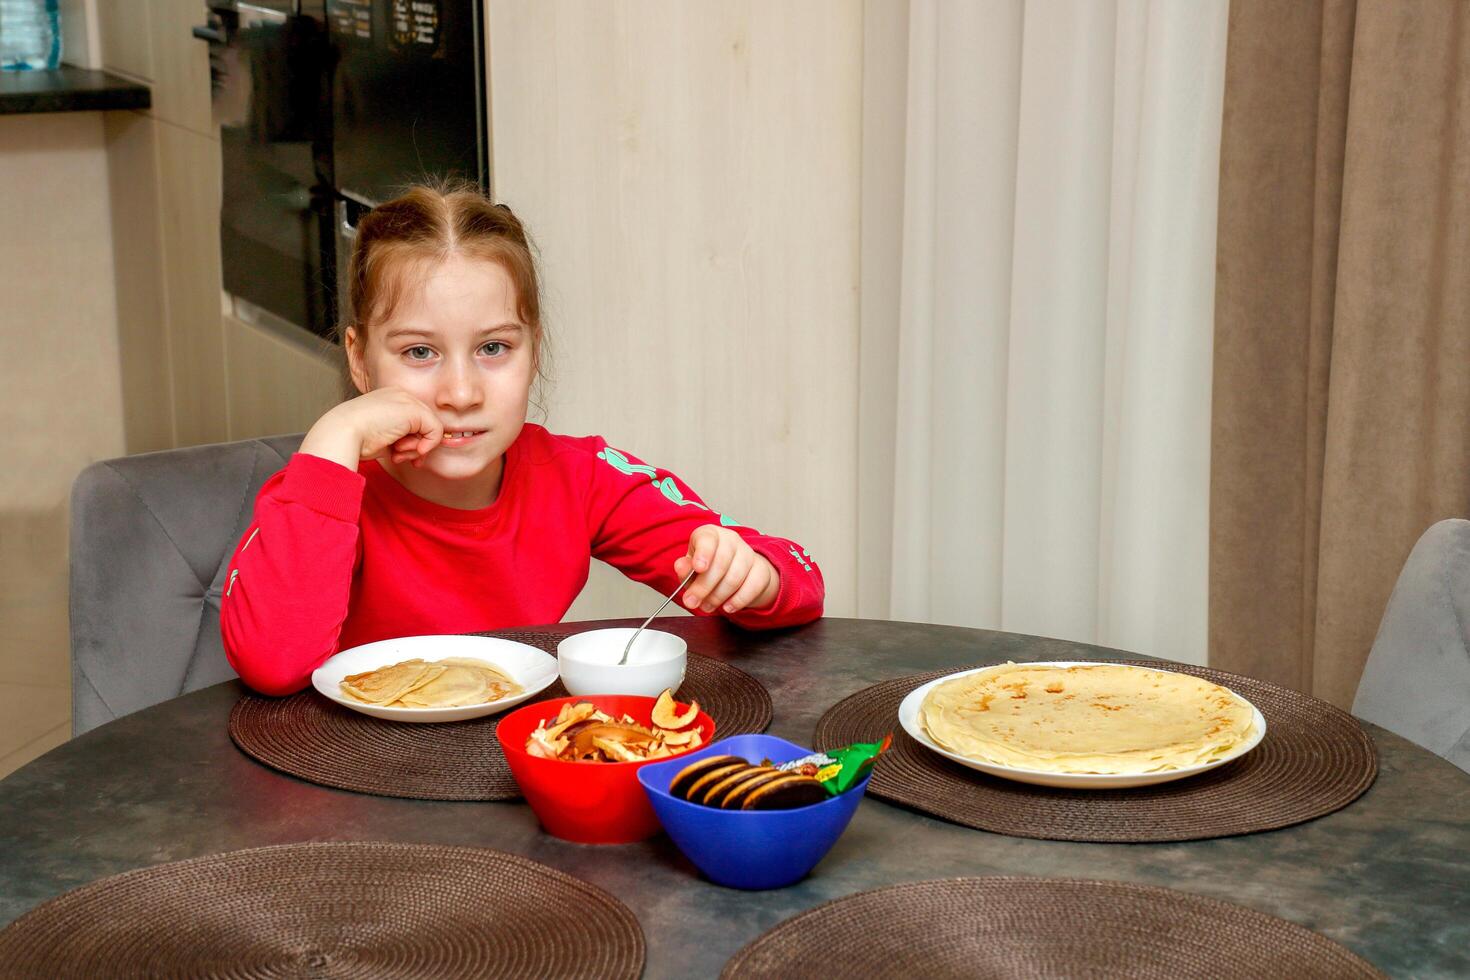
(337, 558)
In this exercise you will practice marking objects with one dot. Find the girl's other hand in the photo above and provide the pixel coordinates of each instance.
(385, 422)
(732, 575)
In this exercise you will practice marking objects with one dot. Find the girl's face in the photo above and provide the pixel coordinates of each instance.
(455, 342)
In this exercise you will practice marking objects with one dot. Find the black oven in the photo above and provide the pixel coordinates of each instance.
(326, 108)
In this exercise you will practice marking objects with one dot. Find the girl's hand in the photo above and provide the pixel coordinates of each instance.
(384, 422)
(732, 576)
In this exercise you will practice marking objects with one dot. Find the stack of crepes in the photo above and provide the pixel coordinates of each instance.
(451, 682)
(1105, 718)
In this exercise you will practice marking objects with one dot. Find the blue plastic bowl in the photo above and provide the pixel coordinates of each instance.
(751, 849)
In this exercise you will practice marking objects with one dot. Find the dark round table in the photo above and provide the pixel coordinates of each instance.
(1388, 876)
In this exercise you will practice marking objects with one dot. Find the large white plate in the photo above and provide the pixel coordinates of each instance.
(534, 670)
(908, 717)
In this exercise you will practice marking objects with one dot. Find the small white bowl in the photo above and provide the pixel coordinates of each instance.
(588, 662)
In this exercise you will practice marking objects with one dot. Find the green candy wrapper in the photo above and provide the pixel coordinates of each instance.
(838, 770)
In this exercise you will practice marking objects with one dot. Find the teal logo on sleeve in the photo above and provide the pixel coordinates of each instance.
(665, 486)
(626, 466)
(803, 558)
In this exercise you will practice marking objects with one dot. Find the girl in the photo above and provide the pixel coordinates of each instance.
(428, 504)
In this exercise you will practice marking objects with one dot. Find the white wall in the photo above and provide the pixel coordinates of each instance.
(692, 175)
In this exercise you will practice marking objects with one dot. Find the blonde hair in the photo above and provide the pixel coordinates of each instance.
(430, 223)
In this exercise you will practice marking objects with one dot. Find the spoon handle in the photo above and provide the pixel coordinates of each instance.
(660, 609)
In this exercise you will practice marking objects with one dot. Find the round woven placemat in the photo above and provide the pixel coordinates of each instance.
(331, 910)
(1039, 928)
(322, 742)
(1314, 759)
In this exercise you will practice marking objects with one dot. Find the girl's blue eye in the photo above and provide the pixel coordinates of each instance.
(494, 348)
(419, 353)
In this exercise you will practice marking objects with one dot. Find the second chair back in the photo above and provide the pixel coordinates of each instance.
(151, 537)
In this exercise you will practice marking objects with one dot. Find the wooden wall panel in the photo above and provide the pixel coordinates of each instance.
(126, 37)
(180, 65)
(691, 173)
(80, 43)
(189, 197)
(62, 405)
(58, 331)
(142, 313)
(164, 166)
(276, 385)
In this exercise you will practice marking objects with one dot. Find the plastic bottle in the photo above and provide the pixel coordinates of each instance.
(30, 34)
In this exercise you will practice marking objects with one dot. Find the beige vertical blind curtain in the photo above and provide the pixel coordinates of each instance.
(1341, 420)
(1051, 359)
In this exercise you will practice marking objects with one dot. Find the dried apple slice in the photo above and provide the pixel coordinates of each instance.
(616, 750)
(547, 748)
(588, 740)
(569, 715)
(666, 712)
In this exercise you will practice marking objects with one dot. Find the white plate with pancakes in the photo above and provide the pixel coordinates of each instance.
(910, 716)
(492, 660)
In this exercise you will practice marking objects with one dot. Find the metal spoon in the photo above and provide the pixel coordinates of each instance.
(660, 609)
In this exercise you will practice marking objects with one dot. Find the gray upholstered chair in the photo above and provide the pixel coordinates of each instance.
(1417, 680)
(150, 538)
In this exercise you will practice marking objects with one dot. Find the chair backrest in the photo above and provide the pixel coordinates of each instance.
(1417, 680)
(150, 539)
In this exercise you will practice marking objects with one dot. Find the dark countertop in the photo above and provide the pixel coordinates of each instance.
(1387, 876)
(69, 89)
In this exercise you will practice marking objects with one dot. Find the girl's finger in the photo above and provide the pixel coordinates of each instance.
(430, 430)
(703, 544)
(710, 579)
(755, 584)
(734, 578)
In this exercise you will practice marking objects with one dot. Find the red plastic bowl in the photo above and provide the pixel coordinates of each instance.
(586, 802)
